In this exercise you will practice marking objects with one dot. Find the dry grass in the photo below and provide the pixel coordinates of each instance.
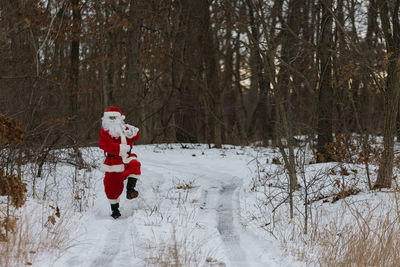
(185, 185)
(31, 239)
(183, 252)
(368, 240)
(360, 238)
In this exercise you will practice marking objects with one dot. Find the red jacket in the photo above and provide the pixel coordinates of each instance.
(118, 149)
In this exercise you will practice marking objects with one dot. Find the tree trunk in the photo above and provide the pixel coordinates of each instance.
(385, 173)
(227, 77)
(260, 85)
(391, 94)
(324, 128)
(286, 88)
(134, 102)
(74, 67)
(212, 73)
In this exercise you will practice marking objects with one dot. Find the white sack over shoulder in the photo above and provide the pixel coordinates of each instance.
(130, 131)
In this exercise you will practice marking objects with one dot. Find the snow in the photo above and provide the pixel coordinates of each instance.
(190, 196)
(205, 207)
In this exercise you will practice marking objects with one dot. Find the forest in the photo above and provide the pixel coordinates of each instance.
(257, 73)
(198, 71)
(213, 72)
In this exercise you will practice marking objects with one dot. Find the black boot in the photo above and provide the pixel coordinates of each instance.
(115, 211)
(130, 188)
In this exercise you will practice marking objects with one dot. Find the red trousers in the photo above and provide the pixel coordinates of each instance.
(114, 181)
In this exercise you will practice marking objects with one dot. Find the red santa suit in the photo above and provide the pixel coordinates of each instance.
(116, 139)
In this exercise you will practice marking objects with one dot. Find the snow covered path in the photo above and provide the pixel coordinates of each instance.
(226, 226)
(204, 220)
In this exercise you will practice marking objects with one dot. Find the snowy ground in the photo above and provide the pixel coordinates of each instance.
(208, 207)
(190, 199)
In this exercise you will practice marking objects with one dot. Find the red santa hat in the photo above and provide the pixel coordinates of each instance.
(113, 112)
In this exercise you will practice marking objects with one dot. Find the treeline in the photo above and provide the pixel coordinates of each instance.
(223, 71)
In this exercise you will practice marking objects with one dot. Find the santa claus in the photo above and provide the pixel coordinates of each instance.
(116, 139)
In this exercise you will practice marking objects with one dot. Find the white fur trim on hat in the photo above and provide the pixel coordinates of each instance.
(112, 114)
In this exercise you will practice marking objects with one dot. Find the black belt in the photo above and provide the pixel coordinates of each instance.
(110, 156)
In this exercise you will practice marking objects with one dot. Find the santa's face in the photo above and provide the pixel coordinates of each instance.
(113, 125)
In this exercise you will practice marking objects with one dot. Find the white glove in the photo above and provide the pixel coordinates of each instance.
(124, 150)
(130, 131)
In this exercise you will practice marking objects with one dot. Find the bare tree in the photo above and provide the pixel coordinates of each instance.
(74, 63)
(391, 32)
(325, 103)
(193, 71)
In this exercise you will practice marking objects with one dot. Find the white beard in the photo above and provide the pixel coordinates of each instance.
(114, 127)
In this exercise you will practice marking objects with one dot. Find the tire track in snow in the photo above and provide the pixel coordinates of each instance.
(113, 240)
(226, 226)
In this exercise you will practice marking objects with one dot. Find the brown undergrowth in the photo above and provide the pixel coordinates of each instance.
(32, 238)
(359, 235)
(25, 233)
